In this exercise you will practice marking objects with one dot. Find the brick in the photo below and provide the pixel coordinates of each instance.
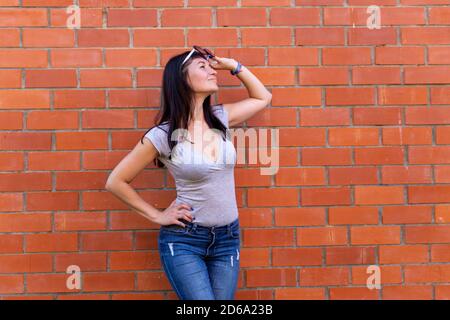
(319, 36)
(80, 221)
(349, 96)
(378, 116)
(399, 55)
(12, 17)
(104, 78)
(103, 38)
(325, 196)
(352, 215)
(379, 195)
(79, 99)
(353, 136)
(348, 255)
(268, 237)
(299, 216)
(407, 292)
(322, 236)
(19, 58)
(323, 76)
(379, 155)
(322, 156)
(50, 78)
(406, 135)
(293, 56)
(406, 174)
(273, 197)
(90, 261)
(375, 235)
(346, 56)
(266, 36)
(25, 222)
(402, 95)
(429, 154)
(10, 79)
(130, 57)
(432, 75)
(64, 58)
(271, 277)
(428, 194)
(43, 38)
(201, 17)
(324, 276)
(425, 35)
(132, 18)
(403, 254)
(294, 16)
(51, 242)
(427, 234)
(94, 241)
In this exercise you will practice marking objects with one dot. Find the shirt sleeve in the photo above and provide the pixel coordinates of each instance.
(221, 113)
(158, 138)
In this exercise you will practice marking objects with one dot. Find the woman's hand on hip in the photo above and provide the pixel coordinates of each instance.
(174, 212)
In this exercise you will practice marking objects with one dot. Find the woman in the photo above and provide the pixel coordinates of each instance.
(199, 239)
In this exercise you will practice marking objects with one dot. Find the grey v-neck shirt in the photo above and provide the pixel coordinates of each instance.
(202, 183)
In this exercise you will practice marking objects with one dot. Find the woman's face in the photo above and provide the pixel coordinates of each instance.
(202, 77)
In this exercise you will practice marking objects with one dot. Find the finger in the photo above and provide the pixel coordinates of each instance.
(181, 224)
(214, 59)
(185, 206)
(186, 213)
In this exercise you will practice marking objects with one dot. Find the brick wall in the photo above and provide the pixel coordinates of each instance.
(363, 117)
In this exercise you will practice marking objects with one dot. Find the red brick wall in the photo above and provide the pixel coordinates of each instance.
(363, 117)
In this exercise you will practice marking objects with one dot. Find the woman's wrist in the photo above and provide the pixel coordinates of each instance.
(154, 215)
(238, 68)
(235, 64)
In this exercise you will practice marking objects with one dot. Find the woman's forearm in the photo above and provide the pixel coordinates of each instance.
(127, 194)
(254, 86)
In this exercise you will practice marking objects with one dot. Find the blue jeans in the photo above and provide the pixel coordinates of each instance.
(201, 263)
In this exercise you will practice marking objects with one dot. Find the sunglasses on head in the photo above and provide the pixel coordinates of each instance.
(207, 54)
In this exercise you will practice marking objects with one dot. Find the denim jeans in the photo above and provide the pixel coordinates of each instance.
(201, 263)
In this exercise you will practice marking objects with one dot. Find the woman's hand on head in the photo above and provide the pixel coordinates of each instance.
(219, 63)
(174, 212)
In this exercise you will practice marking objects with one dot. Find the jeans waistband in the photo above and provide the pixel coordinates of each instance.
(194, 225)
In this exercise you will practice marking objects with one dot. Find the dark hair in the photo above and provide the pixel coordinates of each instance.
(176, 99)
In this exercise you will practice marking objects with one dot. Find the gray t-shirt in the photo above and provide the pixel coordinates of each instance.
(205, 185)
